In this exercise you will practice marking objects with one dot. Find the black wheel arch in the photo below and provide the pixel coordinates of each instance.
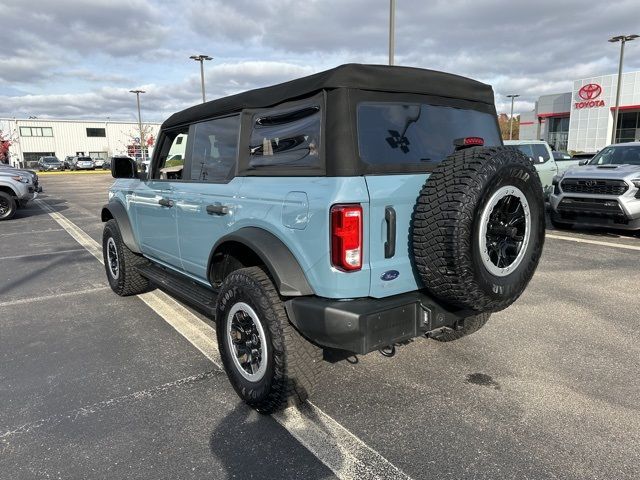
(260, 246)
(115, 210)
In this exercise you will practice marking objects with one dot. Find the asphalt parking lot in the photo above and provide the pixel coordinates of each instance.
(97, 386)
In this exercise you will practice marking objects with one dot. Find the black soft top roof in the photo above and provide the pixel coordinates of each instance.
(380, 78)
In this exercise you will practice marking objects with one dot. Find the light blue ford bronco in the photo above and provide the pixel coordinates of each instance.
(345, 212)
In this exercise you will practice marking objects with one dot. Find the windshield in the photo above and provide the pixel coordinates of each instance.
(50, 160)
(620, 155)
(84, 159)
(405, 133)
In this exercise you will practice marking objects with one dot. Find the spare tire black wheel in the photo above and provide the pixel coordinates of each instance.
(478, 228)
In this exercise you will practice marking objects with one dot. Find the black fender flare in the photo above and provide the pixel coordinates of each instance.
(117, 211)
(285, 270)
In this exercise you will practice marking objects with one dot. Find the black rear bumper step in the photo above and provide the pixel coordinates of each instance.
(364, 325)
(196, 295)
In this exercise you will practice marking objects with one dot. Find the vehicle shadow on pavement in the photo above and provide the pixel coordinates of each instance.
(252, 445)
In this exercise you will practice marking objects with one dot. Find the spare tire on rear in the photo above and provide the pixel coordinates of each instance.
(478, 228)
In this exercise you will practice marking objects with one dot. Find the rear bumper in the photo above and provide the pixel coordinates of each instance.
(366, 324)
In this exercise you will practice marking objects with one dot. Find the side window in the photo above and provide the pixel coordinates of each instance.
(540, 153)
(290, 138)
(215, 149)
(170, 162)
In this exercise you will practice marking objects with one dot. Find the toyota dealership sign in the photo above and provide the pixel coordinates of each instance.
(588, 96)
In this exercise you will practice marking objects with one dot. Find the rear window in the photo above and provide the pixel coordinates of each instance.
(413, 133)
(286, 138)
(84, 159)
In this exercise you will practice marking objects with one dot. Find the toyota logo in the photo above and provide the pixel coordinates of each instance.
(590, 91)
(590, 183)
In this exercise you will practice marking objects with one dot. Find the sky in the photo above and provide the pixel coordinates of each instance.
(79, 59)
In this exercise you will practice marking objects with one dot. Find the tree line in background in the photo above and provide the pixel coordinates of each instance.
(503, 121)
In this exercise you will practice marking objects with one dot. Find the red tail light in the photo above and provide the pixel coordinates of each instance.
(465, 142)
(346, 237)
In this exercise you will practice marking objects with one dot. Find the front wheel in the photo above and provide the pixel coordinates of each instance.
(120, 263)
(559, 225)
(8, 206)
(269, 364)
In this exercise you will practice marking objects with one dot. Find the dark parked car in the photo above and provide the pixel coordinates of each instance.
(49, 164)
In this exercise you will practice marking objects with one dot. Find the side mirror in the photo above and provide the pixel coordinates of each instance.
(123, 167)
(582, 162)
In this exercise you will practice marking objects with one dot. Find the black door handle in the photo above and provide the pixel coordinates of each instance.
(390, 244)
(217, 209)
(166, 202)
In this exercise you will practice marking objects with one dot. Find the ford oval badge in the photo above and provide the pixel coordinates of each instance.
(389, 275)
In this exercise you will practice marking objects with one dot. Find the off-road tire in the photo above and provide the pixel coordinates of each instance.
(471, 325)
(293, 363)
(129, 281)
(446, 228)
(11, 211)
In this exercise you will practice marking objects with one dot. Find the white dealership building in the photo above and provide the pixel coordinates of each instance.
(33, 138)
(582, 120)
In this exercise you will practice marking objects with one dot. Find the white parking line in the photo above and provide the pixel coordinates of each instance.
(95, 408)
(593, 242)
(335, 446)
(51, 297)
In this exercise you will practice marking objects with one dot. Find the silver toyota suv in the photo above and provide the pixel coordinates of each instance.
(605, 192)
(17, 187)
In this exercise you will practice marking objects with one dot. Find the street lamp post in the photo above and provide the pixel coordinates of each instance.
(392, 30)
(622, 39)
(201, 59)
(512, 97)
(138, 92)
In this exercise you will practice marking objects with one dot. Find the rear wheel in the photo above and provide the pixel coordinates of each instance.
(8, 206)
(120, 263)
(269, 364)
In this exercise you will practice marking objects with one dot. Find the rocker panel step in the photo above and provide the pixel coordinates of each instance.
(187, 290)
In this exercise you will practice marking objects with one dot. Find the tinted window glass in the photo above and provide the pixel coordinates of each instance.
(96, 132)
(617, 156)
(215, 149)
(290, 138)
(533, 152)
(392, 133)
(170, 161)
(540, 152)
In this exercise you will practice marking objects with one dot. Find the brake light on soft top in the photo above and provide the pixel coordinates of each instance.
(465, 142)
(346, 237)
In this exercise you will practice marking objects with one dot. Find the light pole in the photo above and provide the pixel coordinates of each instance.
(392, 30)
(138, 92)
(622, 39)
(201, 59)
(512, 97)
